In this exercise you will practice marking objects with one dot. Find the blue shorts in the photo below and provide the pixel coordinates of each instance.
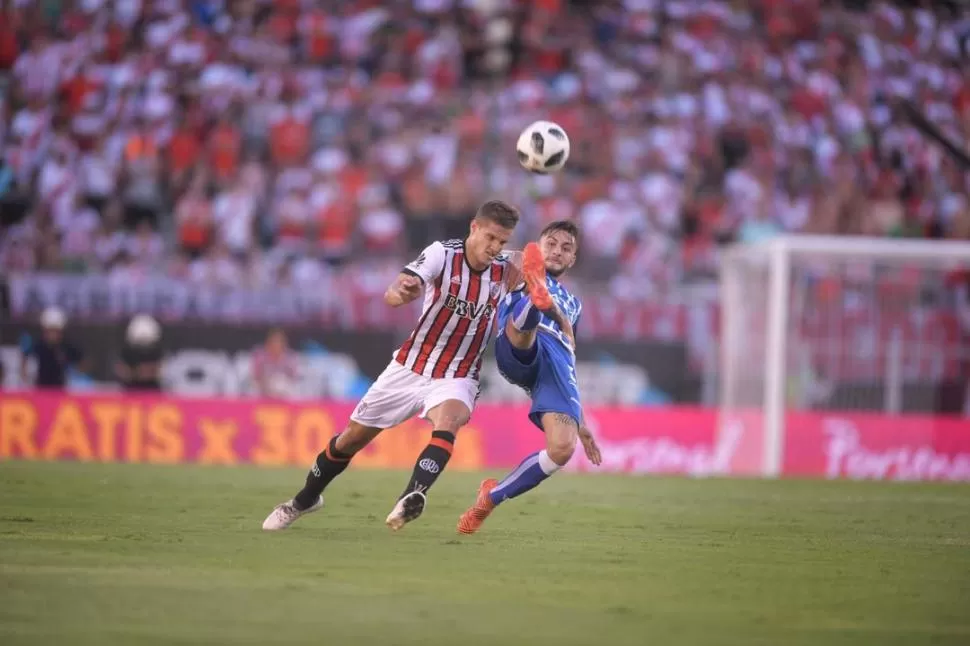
(550, 378)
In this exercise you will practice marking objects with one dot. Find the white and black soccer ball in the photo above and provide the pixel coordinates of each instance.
(543, 147)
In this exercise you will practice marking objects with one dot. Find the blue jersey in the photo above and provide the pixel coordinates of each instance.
(569, 304)
(550, 376)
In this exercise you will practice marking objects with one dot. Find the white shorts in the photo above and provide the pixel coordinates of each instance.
(400, 393)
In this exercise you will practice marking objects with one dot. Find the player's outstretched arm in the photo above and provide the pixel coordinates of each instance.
(403, 290)
(420, 271)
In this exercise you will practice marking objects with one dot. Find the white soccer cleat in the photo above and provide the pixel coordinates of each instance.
(407, 509)
(284, 514)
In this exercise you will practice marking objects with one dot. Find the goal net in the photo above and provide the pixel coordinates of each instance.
(819, 324)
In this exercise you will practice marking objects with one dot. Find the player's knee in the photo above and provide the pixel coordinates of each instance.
(561, 436)
(449, 416)
(450, 422)
(561, 449)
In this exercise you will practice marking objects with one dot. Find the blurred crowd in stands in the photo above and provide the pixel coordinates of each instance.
(266, 142)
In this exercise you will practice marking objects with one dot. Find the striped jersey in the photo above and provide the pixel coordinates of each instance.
(458, 313)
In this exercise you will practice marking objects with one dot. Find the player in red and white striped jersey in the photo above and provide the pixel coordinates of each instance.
(435, 372)
(456, 320)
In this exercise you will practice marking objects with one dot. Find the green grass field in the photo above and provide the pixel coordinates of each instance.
(95, 554)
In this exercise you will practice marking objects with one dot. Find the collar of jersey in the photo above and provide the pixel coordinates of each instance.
(464, 257)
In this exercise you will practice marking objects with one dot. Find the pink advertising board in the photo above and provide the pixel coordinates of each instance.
(670, 440)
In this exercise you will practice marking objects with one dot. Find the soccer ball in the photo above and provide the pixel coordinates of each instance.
(543, 147)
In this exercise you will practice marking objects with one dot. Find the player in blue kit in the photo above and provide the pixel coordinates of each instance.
(535, 349)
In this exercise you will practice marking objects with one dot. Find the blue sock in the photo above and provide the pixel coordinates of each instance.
(525, 315)
(530, 472)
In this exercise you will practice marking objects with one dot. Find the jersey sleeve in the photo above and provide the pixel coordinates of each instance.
(428, 264)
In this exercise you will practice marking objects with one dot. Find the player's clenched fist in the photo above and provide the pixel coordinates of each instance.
(410, 286)
(404, 290)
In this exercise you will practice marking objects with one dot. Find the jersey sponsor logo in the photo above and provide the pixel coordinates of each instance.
(467, 309)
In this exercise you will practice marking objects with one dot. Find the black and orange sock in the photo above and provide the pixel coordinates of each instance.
(330, 463)
(431, 462)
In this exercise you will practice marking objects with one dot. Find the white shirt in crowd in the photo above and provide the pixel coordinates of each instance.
(234, 212)
(97, 175)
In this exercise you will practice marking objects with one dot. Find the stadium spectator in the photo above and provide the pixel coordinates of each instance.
(309, 132)
(53, 355)
(193, 217)
(139, 366)
(274, 367)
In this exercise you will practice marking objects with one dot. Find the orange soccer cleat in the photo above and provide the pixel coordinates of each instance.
(472, 520)
(534, 274)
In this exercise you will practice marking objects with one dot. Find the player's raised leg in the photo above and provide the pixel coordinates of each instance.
(527, 307)
(446, 418)
(561, 435)
(330, 463)
(522, 323)
(534, 275)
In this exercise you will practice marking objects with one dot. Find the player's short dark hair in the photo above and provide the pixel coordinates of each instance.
(566, 226)
(501, 213)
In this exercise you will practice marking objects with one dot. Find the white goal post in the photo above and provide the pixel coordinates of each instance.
(833, 323)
